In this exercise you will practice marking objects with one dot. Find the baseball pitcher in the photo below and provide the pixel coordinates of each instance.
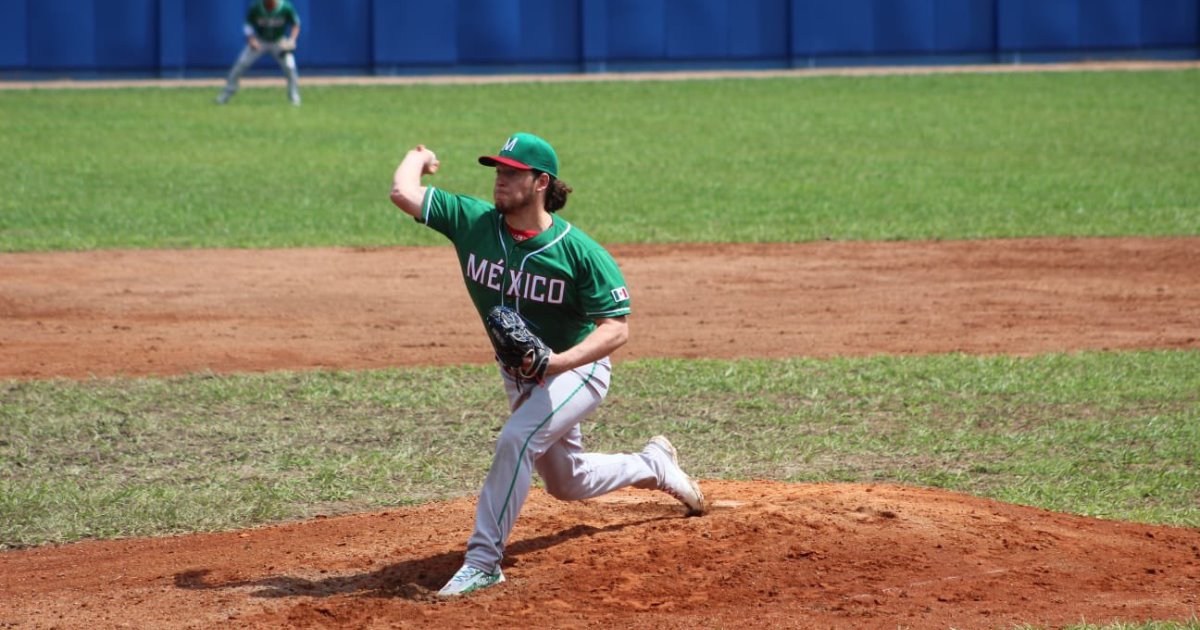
(555, 306)
(266, 30)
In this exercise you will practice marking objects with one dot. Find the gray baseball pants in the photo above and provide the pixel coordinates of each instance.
(287, 63)
(543, 434)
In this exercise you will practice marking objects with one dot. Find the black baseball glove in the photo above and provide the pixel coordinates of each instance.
(517, 348)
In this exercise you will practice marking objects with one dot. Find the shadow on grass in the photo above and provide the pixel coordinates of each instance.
(417, 579)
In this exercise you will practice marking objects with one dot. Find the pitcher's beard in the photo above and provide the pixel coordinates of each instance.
(508, 207)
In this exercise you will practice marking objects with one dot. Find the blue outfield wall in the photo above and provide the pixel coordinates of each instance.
(199, 37)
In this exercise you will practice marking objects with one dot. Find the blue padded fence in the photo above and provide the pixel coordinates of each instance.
(198, 37)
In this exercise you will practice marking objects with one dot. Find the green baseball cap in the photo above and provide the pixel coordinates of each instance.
(526, 152)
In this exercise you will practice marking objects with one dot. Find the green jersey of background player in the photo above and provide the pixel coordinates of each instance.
(515, 251)
(271, 26)
(271, 19)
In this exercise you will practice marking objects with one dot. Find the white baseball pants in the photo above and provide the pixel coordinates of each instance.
(543, 434)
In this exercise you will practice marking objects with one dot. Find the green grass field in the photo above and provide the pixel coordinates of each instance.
(906, 157)
(1111, 435)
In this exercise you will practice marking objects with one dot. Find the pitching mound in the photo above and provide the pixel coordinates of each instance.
(768, 555)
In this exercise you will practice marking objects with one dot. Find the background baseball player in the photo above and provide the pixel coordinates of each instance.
(515, 252)
(267, 22)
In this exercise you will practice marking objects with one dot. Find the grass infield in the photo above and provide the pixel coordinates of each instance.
(1111, 435)
(785, 159)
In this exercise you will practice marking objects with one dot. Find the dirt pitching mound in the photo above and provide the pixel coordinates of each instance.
(768, 555)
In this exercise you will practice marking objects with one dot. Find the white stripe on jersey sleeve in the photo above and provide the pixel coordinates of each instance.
(428, 201)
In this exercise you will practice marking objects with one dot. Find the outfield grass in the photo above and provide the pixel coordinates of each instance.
(791, 159)
(1111, 435)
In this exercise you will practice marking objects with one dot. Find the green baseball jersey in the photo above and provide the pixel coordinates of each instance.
(270, 26)
(560, 281)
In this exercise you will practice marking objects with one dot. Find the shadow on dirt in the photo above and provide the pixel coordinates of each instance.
(417, 579)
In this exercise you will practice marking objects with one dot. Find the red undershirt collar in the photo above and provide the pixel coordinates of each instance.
(521, 235)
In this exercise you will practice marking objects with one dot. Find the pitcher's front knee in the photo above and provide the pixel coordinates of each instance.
(509, 444)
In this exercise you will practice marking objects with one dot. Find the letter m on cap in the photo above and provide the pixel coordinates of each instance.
(510, 145)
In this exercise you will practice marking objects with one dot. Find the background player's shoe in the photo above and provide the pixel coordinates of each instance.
(469, 579)
(676, 482)
(224, 97)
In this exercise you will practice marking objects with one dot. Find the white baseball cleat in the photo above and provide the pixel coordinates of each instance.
(676, 482)
(469, 579)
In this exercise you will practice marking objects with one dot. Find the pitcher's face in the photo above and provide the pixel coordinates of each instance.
(514, 189)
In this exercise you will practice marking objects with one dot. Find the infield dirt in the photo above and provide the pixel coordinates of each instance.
(769, 554)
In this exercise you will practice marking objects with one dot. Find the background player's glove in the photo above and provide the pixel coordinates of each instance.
(287, 45)
(517, 348)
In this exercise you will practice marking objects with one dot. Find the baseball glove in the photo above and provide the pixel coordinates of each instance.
(517, 349)
(287, 45)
